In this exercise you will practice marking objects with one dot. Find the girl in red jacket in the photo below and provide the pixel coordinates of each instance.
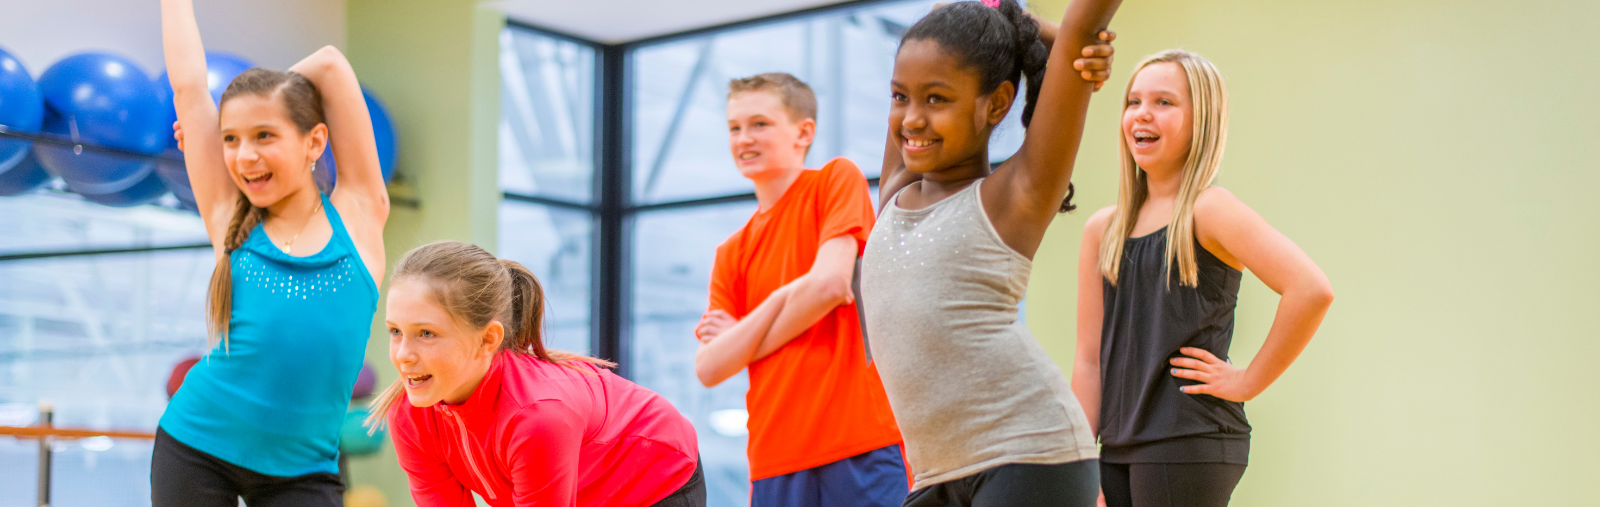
(492, 411)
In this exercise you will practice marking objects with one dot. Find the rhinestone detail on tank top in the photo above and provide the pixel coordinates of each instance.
(291, 285)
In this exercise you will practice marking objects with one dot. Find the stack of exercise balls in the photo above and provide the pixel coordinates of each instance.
(103, 100)
(116, 124)
(21, 110)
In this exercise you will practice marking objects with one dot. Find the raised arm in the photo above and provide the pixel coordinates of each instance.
(1026, 191)
(214, 191)
(360, 197)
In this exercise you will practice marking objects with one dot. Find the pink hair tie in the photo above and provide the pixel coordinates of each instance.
(992, 3)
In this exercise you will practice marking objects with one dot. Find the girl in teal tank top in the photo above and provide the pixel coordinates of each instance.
(272, 401)
(295, 288)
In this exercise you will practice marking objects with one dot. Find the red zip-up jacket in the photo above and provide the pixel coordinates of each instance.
(539, 433)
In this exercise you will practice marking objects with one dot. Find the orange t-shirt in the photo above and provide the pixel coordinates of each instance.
(816, 400)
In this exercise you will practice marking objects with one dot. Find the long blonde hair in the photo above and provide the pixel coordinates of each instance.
(1208, 108)
(475, 288)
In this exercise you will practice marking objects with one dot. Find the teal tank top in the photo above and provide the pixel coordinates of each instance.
(274, 400)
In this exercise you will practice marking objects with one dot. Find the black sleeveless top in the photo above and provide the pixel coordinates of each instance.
(1144, 418)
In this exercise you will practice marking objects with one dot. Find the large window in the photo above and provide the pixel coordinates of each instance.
(547, 171)
(96, 334)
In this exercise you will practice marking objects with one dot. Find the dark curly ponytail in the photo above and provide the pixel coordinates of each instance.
(1000, 44)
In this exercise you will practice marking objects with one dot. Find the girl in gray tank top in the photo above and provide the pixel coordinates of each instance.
(986, 416)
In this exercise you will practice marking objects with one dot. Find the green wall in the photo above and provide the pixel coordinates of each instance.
(1438, 160)
(435, 63)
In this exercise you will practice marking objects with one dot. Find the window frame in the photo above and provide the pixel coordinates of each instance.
(612, 205)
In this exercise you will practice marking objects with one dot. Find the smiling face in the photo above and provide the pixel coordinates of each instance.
(939, 115)
(267, 157)
(1157, 123)
(438, 358)
(765, 140)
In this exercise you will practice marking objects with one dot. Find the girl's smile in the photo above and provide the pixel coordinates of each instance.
(939, 114)
(1156, 124)
(440, 360)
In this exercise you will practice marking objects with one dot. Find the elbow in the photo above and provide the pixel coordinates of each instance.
(330, 56)
(703, 372)
(706, 378)
(1321, 293)
(834, 290)
(1084, 372)
(321, 62)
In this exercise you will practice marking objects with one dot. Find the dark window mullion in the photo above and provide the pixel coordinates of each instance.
(612, 310)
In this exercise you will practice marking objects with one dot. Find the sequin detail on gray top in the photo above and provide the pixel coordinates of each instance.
(968, 384)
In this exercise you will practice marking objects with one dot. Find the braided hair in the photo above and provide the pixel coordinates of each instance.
(1001, 44)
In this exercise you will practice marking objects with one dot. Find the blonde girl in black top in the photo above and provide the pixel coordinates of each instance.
(1158, 281)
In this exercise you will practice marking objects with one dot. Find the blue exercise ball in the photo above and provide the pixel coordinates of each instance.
(383, 133)
(353, 437)
(86, 170)
(21, 108)
(144, 191)
(175, 175)
(383, 136)
(101, 99)
(23, 177)
(221, 68)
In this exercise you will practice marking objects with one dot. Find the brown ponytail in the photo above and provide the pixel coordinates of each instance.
(476, 289)
(525, 331)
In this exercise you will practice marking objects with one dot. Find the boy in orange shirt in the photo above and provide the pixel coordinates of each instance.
(821, 432)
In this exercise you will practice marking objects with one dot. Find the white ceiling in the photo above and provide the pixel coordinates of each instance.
(614, 21)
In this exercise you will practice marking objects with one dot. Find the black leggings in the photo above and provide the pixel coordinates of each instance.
(1169, 484)
(1073, 484)
(184, 476)
(691, 494)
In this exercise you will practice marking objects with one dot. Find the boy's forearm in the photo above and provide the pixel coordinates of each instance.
(723, 356)
(812, 298)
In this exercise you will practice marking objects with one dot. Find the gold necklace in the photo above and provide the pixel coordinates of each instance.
(288, 246)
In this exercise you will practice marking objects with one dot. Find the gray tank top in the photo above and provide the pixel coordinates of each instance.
(969, 386)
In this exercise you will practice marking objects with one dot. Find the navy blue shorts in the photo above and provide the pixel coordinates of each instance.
(871, 479)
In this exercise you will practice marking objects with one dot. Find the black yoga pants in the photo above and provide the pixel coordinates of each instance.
(1169, 484)
(182, 476)
(691, 494)
(1073, 484)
